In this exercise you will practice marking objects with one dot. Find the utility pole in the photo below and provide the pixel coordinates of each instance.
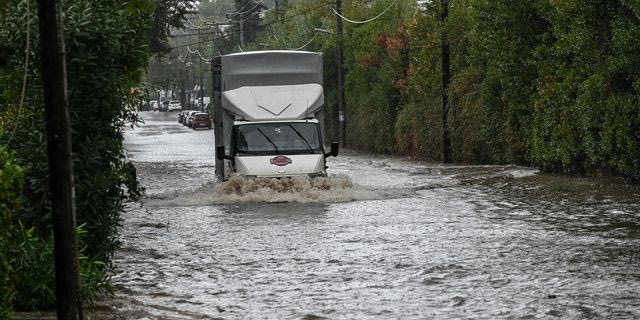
(281, 9)
(341, 107)
(192, 78)
(201, 91)
(56, 102)
(446, 142)
(241, 32)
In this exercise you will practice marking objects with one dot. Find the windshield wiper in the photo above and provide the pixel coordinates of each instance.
(273, 144)
(303, 139)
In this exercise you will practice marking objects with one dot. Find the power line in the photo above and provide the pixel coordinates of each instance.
(311, 40)
(261, 26)
(248, 2)
(306, 44)
(241, 13)
(199, 42)
(193, 34)
(204, 22)
(364, 21)
(194, 27)
(212, 23)
(198, 52)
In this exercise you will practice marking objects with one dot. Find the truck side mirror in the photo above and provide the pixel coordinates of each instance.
(220, 153)
(335, 146)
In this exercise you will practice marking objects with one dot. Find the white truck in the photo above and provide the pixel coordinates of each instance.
(269, 115)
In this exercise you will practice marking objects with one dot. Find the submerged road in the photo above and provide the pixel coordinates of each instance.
(383, 238)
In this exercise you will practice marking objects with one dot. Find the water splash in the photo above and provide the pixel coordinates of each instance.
(268, 190)
(296, 189)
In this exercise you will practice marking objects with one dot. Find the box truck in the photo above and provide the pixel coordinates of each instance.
(269, 115)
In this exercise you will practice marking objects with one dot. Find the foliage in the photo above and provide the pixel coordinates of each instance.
(11, 183)
(509, 72)
(536, 82)
(27, 279)
(419, 126)
(215, 11)
(107, 50)
(33, 276)
(587, 114)
(168, 14)
(419, 121)
(247, 13)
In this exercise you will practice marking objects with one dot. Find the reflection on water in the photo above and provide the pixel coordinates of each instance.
(608, 207)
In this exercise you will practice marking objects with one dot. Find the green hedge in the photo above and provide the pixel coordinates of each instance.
(11, 184)
(107, 53)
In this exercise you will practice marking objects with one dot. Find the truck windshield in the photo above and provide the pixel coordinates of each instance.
(277, 138)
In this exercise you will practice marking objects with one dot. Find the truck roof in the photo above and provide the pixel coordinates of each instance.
(269, 68)
(260, 52)
(271, 85)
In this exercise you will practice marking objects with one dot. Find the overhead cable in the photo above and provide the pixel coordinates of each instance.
(364, 21)
(209, 23)
(311, 40)
(243, 7)
(225, 34)
(250, 10)
(197, 52)
(306, 44)
(193, 25)
(193, 34)
(199, 42)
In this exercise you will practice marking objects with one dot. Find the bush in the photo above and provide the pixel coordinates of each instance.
(586, 111)
(32, 260)
(107, 52)
(11, 183)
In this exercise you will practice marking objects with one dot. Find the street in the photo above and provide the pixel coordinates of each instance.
(381, 238)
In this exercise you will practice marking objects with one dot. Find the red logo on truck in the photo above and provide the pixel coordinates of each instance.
(281, 161)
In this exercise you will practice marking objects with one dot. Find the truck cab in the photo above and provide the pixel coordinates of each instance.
(277, 148)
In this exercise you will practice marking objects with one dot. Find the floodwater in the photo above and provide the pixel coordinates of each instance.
(382, 238)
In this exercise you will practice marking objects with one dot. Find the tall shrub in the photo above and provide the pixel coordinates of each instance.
(419, 125)
(11, 183)
(107, 52)
(587, 111)
(418, 129)
(505, 37)
(376, 61)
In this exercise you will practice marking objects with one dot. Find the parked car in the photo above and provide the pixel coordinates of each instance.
(164, 105)
(174, 105)
(189, 119)
(182, 115)
(201, 119)
(186, 116)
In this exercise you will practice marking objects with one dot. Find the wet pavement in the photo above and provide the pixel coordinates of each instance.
(382, 238)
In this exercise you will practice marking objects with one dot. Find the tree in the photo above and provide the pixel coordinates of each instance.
(168, 14)
(246, 19)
